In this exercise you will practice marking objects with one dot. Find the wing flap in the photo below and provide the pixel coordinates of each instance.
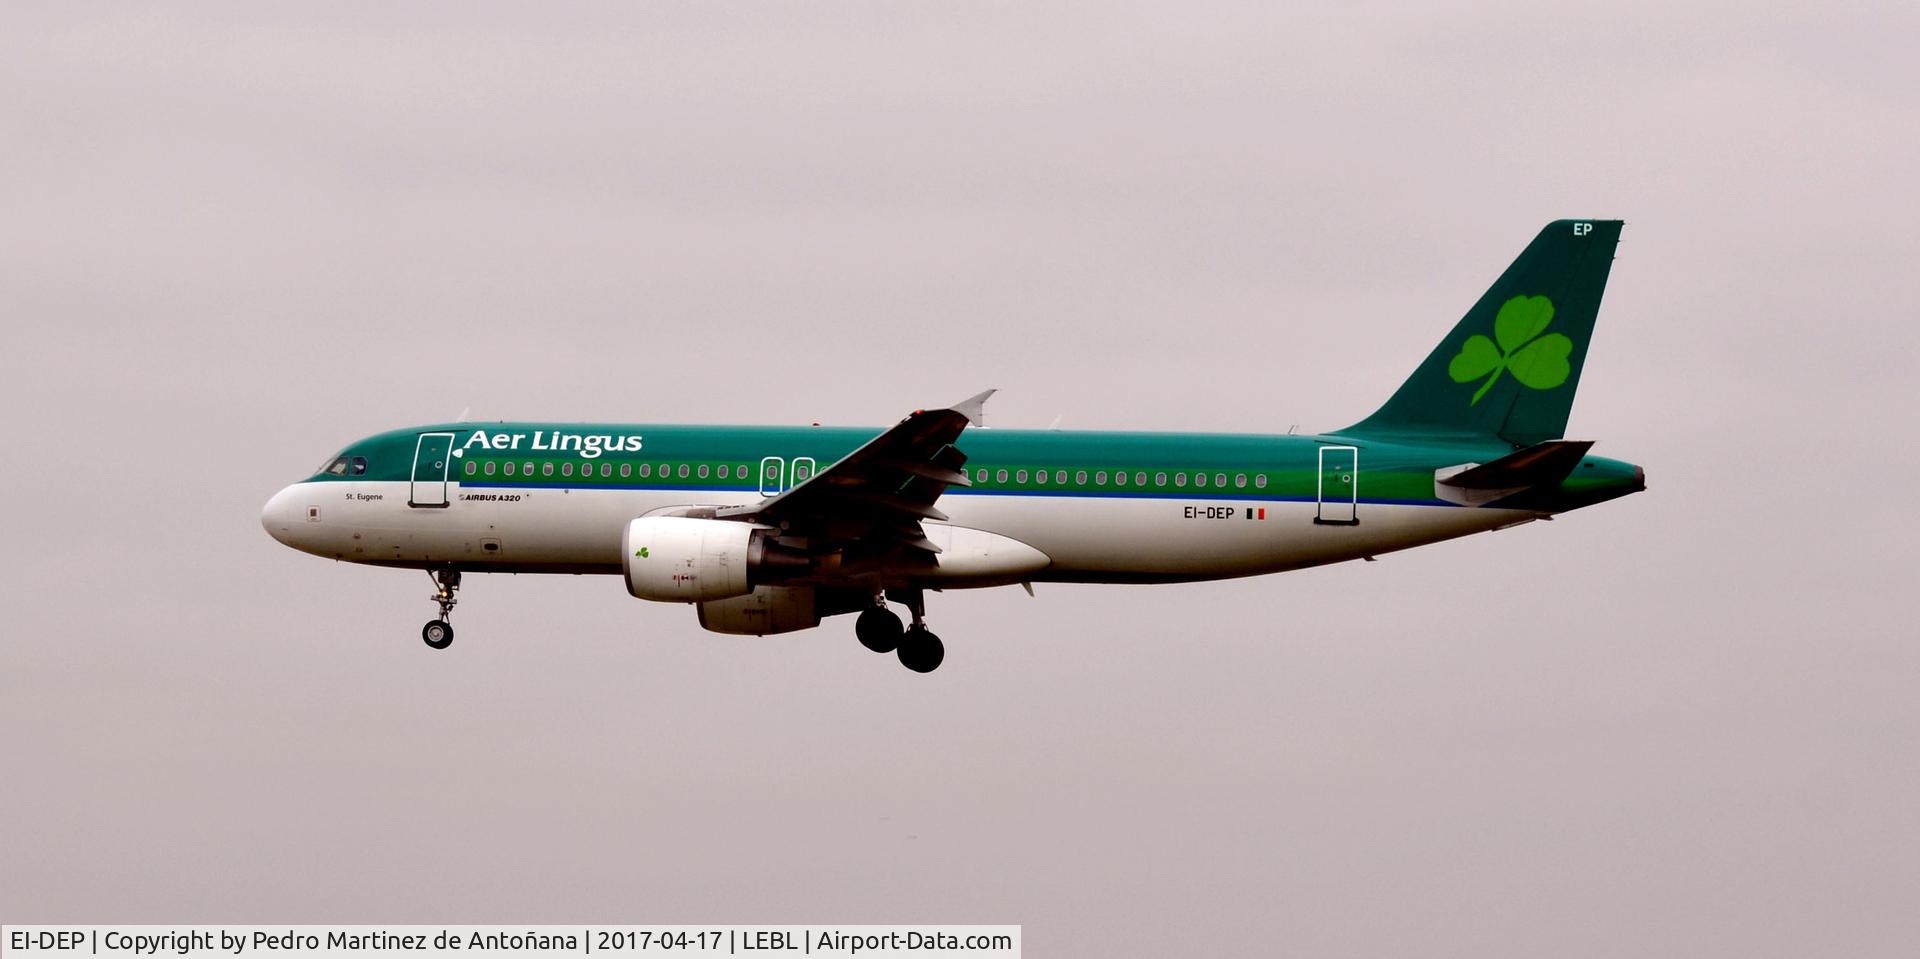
(872, 501)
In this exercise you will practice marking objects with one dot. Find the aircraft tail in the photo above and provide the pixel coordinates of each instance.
(1510, 367)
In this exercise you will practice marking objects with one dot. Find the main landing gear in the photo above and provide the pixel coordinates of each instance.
(879, 630)
(438, 633)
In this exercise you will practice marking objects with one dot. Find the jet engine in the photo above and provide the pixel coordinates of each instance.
(766, 610)
(677, 559)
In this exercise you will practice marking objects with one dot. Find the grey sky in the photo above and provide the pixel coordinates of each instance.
(1679, 724)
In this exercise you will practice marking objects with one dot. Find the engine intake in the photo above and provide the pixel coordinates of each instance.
(675, 559)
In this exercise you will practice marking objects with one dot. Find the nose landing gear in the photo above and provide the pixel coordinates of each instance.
(438, 633)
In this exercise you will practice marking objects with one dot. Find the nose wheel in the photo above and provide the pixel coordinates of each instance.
(438, 633)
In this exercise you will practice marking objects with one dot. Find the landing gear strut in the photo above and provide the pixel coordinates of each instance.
(918, 648)
(438, 633)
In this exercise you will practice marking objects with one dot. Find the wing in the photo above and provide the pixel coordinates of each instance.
(871, 502)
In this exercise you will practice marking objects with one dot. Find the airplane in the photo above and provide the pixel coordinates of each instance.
(770, 529)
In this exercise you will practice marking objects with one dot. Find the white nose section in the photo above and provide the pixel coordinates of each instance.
(277, 516)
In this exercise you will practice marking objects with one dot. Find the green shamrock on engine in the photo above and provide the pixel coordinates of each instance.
(1536, 361)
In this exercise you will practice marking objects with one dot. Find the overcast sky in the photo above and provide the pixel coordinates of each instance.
(233, 239)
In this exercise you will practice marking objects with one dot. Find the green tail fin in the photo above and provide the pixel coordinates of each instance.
(1510, 368)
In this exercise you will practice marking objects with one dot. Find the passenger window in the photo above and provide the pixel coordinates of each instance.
(683, 471)
(527, 467)
(490, 467)
(703, 471)
(1100, 478)
(723, 471)
(1139, 479)
(646, 470)
(510, 467)
(980, 476)
(566, 469)
(1260, 480)
(1220, 480)
(546, 469)
(1240, 481)
(1080, 476)
(626, 470)
(1120, 477)
(1000, 477)
(1179, 479)
(359, 465)
(1040, 476)
(606, 469)
(1060, 476)
(1199, 479)
(472, 466)
(1021, 476)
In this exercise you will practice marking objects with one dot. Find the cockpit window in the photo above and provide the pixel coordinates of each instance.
(358, 465)
(336, 468)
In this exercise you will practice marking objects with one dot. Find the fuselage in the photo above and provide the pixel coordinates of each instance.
(770, 530)
(1101, 506)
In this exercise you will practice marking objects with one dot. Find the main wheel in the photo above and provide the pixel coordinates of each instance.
(438, 633)
(921, 651)
(878, 629)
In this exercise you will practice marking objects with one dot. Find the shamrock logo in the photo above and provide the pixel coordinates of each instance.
(641, 552)
(1536, 361)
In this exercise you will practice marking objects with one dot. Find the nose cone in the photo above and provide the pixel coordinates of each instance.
(277, 516)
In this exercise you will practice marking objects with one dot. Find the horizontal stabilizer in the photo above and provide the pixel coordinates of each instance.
(1542, 464)
(1548, 462)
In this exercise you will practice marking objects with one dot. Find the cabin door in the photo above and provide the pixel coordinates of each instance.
(432, 461)
(1339, 486)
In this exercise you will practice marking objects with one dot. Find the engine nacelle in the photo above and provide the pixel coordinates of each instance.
(675, 559)
(766, 610)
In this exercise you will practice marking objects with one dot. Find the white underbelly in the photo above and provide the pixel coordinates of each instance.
(1144, 537)
(1089, 538)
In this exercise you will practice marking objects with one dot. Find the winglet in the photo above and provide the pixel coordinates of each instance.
(974, 408)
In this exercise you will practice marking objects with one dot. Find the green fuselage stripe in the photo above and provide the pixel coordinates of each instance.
(1155, 465)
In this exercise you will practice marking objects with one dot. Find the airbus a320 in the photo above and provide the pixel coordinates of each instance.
(769, 529)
